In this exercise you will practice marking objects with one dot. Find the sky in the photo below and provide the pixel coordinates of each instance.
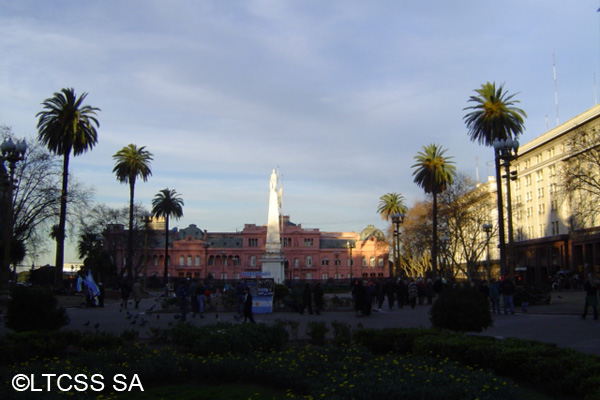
(338, 95)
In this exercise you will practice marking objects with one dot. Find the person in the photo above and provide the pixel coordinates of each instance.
(306, 300)
(101, 295)
(402, 293)
(429, 292)
(495, 296)
(193, 293)
(248, 306)
(125, 292)
(390, 292)
(239, 299)
(137, 291)
(358, 294)
(369, 296)
(201, 297)
(318, 296)
(379, 294)
(182, 295)
(413, 293)
(485, 290)
(507, 289)
(421, 290)
(591, 297)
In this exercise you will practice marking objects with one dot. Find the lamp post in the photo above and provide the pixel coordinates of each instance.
(146, 220)
(337, 262)
(223, 263)
(11, 154)
(487, 228)
(397, 219)
(444, 240)
(206, 245)
(350, 246)
(505, 151)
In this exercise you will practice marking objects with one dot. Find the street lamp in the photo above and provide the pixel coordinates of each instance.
(337, 262)
(505, 151)
(487, 228)
(11, 154)
(350, 246)
(206, 245)
(223, 263)
(397, 219)
(146, 220)
(444, 240)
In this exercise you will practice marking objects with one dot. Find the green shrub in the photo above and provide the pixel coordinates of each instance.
(395, 340)
(100, 340)
(461, 310)
(316, 332)
(342, 333)
(22, 346)
(33, 309)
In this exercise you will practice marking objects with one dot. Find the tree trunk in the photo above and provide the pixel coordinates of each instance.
(129, 259)
(60, 239)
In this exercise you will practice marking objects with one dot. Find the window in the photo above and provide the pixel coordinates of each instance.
(296, 262)
(381, 262)
(372, 261)
(539, 176)
(287, 242)
(540, 192)
(364, 261)
(253, 261)
(539, 158)
(552, 170)
(189, 261)
(181, 260)
(552, 188)
(555, 230)
(528, 180)
(309, 261)
(551, 153)
(253, 242)
(197, 261)
(528, 194)
(541, 209)
(324, 262)
(308, 242)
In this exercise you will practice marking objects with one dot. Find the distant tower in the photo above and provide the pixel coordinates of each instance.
(273, 261)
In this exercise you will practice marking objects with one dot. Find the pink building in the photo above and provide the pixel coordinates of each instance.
(310, 253)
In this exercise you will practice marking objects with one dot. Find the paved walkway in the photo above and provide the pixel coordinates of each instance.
(559, 322)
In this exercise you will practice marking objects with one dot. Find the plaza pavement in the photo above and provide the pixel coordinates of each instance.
(559, 322)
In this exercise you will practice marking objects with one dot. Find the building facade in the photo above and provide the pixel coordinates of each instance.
(310, 254)
(556, 230)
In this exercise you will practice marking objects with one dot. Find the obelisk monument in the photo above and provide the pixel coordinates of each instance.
(273, 261)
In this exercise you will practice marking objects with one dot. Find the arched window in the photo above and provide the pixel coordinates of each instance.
(309, 261)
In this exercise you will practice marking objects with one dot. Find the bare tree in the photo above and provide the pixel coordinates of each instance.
(36, 198)
(580, 178)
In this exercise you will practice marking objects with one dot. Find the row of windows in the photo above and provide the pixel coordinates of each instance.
(285, 242)
(372, 261)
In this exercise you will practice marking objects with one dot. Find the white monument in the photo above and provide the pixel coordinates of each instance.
(273, 261)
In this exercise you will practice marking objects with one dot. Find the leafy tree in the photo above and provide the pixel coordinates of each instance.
(167, 203)
(66, 126)
(434, 173)
(415, 257)
(132, 162)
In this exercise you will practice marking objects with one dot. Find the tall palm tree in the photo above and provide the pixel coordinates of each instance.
(132, 162)
(494, 116)
(66, 126)
(167, 203)
(433, 173)
(391, 204)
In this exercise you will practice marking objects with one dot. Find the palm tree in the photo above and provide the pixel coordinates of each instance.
(132, 162)
(66, 126)
(433, 172)
(167, 204)
(391, 205)
(495, 117)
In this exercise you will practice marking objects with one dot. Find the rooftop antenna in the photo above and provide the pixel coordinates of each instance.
(555, 87)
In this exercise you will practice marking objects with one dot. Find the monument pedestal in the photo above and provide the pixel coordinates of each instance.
(273, 266)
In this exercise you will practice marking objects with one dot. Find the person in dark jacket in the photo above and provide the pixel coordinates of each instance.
(306, 300)
(248, 306)
(318, 297)
(507, 289)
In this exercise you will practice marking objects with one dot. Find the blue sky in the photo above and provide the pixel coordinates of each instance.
(340, 95)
